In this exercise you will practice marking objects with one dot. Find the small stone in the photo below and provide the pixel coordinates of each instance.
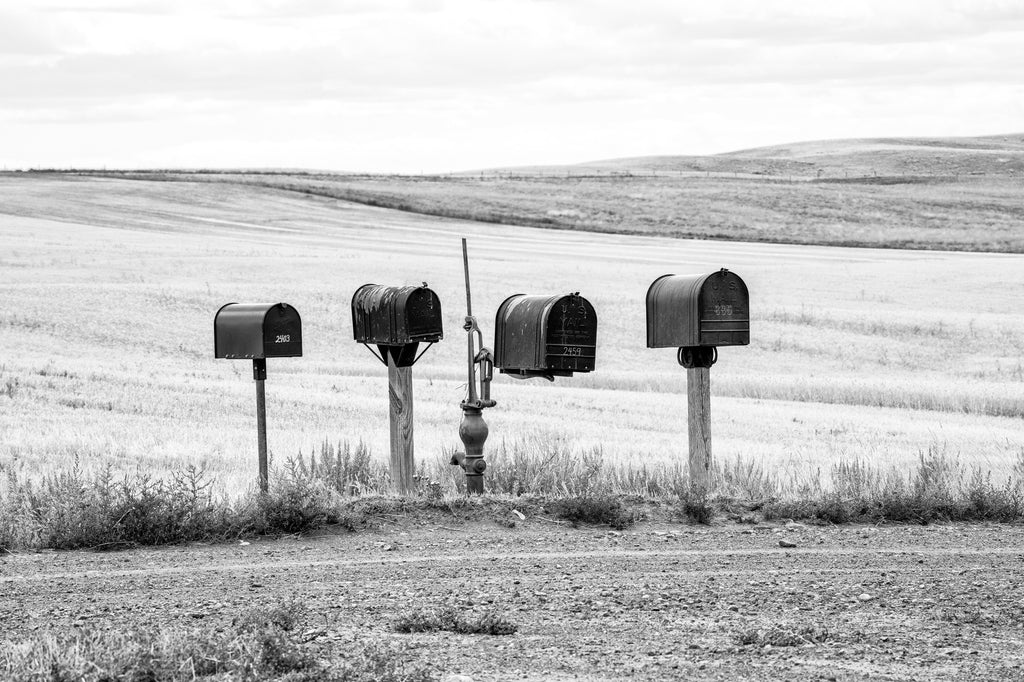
(787, 544)
(458, 678)
(865, 597)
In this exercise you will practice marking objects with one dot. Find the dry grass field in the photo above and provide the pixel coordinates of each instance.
(941, 193)
(110, 286)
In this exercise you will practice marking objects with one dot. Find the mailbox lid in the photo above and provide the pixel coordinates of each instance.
(257, 330)
(545, 333)
(421, 310)
(571, 343)
(724, 310)
(396, 316)
(698, 310)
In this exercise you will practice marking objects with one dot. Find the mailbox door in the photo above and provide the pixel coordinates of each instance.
(422, 312)
(282, 332)
(571, 343)
(724, 310)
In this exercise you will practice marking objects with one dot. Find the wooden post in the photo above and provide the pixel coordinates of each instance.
(400, 401)
(698, 402)
(259, 370)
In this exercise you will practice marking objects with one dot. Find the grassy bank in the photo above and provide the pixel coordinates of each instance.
(341, 488)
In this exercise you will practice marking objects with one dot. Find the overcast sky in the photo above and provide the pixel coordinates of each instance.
(443, 85)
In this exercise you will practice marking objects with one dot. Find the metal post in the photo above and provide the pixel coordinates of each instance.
(400, 401)
(469, 316)
(259, 375)
(698, 402)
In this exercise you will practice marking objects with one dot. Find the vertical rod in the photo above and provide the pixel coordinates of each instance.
(400, 412)
(259, 373)
(698, 407)
(465, 267)
(472, 398)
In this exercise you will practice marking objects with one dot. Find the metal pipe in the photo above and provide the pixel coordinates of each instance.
(470, 324)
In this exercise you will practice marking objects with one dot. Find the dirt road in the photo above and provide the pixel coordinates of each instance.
(660, 601)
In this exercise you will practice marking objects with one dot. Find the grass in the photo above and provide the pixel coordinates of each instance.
(958, 212)
(74, 510)
(262, 643)
(113, 285)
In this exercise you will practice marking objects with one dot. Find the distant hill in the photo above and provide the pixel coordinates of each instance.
(925, 193)
(888, 157)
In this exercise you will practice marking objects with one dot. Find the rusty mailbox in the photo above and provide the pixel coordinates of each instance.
(697, 313)
(257, 331)
(243, 331)
(396, 320)
(545, 336)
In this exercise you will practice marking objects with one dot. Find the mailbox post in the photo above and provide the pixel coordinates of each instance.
(397, 320)
(258, 331)
(696, 314)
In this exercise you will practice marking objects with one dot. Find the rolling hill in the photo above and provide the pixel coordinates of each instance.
(961, 194)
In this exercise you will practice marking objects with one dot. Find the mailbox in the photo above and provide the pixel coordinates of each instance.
(257, 330)
(698, 310)
(545, 336)
(396, 319)
(396, 316)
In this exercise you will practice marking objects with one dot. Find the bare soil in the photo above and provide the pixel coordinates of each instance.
(660, 601)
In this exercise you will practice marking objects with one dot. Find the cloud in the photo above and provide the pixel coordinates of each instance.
(503, 73)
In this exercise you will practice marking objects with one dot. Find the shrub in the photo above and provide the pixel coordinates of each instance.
(695, 505)
(782, 635)
(594, 509)
(450, 619)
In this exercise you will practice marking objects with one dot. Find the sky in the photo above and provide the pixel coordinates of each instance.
(438, 85)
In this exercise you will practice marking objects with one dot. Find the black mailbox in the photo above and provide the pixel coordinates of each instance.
(698, 310)
(545, 336)
(257, 330)
(396, 319)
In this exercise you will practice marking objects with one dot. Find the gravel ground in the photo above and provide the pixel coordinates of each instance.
(661, 601)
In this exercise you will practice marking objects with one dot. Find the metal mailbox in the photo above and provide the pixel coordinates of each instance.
(545, 336)
(396, 319)
(257, 330)
(395, 316)
(698, 310)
